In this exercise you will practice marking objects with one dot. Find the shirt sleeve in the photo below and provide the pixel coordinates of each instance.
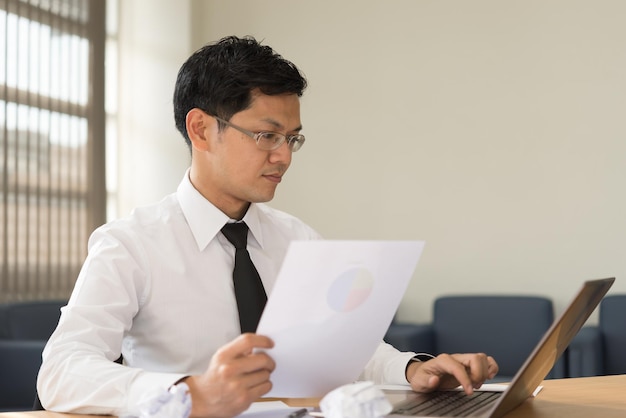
(387, 366)
(78, 372)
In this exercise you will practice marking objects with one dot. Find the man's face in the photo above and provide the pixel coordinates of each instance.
(237, 171)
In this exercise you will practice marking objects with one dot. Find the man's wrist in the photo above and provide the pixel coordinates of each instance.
(181, 380)
(413, 361)
(194, 392)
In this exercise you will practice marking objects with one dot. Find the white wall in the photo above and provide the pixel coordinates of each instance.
(153, 41)
(493, 130)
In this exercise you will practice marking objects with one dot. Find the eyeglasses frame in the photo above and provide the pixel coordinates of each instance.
(292, 140)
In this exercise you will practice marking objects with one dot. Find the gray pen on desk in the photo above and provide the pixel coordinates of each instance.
(298, 414)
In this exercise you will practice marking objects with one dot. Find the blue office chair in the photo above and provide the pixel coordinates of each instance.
(19, 364)
(601, 349)
(24, 330)
(505, 327)
(33, 320)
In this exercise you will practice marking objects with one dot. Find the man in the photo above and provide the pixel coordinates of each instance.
(157, 287)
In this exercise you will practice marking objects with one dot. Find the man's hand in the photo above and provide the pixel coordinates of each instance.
(236, 377)
(449, 371)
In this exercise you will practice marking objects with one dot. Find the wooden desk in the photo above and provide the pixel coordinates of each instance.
(585, 397)
(577, 398)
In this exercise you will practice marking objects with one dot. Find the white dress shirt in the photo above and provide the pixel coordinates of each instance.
(156, 287)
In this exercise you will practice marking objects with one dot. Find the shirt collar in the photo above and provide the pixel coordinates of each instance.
(252, 218)
(205, 220)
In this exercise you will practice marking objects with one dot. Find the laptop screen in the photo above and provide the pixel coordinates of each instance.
(553, 344)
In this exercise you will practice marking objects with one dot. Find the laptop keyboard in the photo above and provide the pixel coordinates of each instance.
(448, 403)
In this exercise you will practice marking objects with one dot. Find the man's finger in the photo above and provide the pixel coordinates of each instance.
(443, 371)
(257, 361)
(243, 345)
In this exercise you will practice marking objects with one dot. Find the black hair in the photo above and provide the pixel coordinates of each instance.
(219, 78)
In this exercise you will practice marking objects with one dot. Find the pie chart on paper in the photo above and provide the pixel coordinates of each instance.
(350, 289)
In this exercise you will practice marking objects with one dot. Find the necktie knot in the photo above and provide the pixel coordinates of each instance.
(237, 234)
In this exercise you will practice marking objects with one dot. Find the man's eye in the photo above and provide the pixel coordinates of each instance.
(271, 137)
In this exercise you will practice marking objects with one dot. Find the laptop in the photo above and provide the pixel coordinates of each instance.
(532, 373)
(329, 309)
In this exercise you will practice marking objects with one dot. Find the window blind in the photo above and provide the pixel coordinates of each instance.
(52, 186)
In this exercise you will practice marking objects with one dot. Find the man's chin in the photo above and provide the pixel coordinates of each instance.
(262, 198)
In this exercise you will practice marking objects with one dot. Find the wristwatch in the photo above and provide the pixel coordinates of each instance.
(418, 358)
(422, 357)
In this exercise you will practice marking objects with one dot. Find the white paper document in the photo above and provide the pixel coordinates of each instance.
(269, 409)
(330, 308)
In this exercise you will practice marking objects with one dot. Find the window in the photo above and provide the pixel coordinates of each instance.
(52, 185)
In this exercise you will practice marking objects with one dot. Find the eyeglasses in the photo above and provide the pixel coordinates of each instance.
(267, 140)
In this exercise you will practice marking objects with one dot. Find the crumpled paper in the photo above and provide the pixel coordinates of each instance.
(172, 403)
(355, 400)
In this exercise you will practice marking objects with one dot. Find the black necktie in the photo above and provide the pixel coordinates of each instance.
(249, 290)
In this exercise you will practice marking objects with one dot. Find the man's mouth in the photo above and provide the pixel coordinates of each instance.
(276, 178)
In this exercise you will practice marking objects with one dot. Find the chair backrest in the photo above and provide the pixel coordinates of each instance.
(33, 320)
(19, 364)
(24, 330)
(505, 327)
(612, 323)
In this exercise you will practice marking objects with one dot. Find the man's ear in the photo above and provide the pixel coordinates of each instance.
(200, 128)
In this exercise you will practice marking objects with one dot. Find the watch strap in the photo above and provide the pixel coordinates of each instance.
(422, 357)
